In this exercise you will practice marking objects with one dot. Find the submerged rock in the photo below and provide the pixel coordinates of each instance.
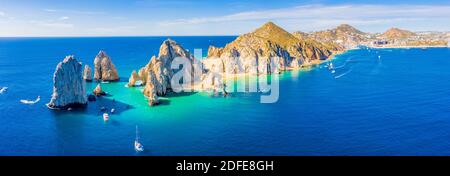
(104, 69)
(92, 98)
(87, 73)
(69, 87)
(98, 91)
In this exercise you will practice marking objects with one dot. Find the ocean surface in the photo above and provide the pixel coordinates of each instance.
(377, 102)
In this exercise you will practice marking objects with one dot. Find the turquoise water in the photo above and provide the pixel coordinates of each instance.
(395, 105)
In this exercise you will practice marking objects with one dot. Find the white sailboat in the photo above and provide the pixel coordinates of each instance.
(137, 145)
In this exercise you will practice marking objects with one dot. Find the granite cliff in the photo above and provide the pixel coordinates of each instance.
(69, 87)
(104, 69)
(156, 75)
(87, 73)
(268, 49)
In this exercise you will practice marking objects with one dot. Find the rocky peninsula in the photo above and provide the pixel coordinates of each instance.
(267, 50)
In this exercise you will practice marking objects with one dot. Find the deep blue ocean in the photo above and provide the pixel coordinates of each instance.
(378, 102)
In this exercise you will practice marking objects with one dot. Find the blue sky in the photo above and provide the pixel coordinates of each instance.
(219, 17)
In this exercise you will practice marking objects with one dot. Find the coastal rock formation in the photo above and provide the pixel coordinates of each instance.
(104, 69)
(98, 91)
(150, 90)
(156, 75)
(87, 73)
(269, 49)
(69, 87)
(133, 79)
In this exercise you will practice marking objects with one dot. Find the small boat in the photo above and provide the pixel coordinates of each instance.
(3, 90)
(379, 57)
(31, 101)
(105, 116)
(113, 110)
(137, 145)
(330, 66)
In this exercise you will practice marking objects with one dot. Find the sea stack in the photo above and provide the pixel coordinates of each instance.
(98, 91)
(156, 75)
(133, 79)
(69, 87)
(104, 69)
(87, 73)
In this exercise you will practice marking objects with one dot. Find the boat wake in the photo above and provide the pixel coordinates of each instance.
(343, 74)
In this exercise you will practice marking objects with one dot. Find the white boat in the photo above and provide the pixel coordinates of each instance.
(31, 101)
(3, 90)
(329, 66)
(105, 116)
(113, 110)
(137, 145)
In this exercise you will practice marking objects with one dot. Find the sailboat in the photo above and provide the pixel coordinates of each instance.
(137, 145)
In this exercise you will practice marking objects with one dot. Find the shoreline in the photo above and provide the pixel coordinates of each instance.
(198, 87)
(406, 47)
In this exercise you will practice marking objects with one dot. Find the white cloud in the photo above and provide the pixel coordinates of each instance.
(74, 11)
(52, 24)
(114, 29)
(63, 18)
(321, 16)
(2, 14)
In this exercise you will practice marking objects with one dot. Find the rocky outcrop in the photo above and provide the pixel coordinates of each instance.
(269, 49)
(69, 87)
(98, 91)
(156, 75)
(133, 79)
(104, 69)
(214, 51)
(150, 90)
(87, 73)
